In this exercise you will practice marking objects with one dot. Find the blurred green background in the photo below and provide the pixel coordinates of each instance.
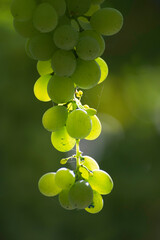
(128, 104)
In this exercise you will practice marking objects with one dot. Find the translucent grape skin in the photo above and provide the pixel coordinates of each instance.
(64, 178)
(40, 88)
(89, 163)
(81, 194)
(87, 48)
(23, 10)
(44, 67)
(101, 182)
(54, 118)
(64, 200)
(61, 89)
(63, 63)
(87, 74)
(47, 185)
(65, 37)
(45, 18)
(96, 205)
(104, 69)
(107, 21)
(78, 124)
(96, 128)
(42, 47)
(62, 141)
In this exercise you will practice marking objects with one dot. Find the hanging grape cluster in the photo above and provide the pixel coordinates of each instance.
(65, 37)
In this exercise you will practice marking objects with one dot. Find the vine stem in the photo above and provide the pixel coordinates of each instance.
(78, 153)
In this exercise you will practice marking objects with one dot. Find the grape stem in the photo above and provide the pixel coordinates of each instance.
(78, 153)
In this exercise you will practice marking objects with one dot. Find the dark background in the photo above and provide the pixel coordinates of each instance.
(128, 104)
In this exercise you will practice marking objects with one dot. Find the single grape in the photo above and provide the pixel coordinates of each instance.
(97, 37)
(78, 124)
(89, 163)
(42, 47)
(23, 10)
(75, 25)
(44, 67)
(78, 7)
(63, 63)
(59, 6)
(54, 118)
(62, 141)
(40, 88)
(81, 194)
(101, 182)
(87, 74)
(64, 200)
(65, 37)
(64, 178)
(96, 128)
(47, 185)
(87, 48)
(25, 28)
(61, 89)
(104, 69)
(107, 21)
(45, 18)
(97, 203)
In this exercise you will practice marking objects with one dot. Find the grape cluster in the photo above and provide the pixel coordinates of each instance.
(65, 37)
(80, 189)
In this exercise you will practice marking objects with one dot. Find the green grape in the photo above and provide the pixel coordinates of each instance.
(97, 203)
(89, 163)
(44, 67)
(42, 47)
(91, 111)
(22, 10)
(64, 178)
(81, 194)
(54, 118)
(65, 37)
(87, 74)
(84, 23)
(64, 200)
(96, 128)
(104, 69)
(45, 18)
(93, 8)
(61, 89)
(97, 1)
(101, 182)
(47, 185)
(62, 141)
(78, 124)
(25, 28)
(27, 44)
(63, 20)
(40, 88)
(64, 63)
(87, 48)
(97, 37)
(107, 21)
(78, 7)
(59, 6)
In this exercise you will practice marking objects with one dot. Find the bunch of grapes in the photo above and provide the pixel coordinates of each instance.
(65, 37)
